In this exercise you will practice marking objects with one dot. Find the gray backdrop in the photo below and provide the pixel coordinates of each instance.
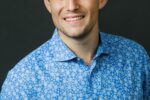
(26, 24)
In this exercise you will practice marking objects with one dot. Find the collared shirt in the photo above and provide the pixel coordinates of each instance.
(120, 70)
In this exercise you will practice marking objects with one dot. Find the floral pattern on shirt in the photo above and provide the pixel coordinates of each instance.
(120, 70)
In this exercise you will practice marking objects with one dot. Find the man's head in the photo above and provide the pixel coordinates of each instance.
(75, 18)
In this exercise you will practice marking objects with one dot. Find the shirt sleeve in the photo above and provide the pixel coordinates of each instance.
(12, 88)
(146, 85)
(18, 84)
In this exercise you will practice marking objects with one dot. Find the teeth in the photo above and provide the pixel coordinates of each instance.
(74, 18)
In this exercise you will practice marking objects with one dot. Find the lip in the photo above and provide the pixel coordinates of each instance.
(73, 18)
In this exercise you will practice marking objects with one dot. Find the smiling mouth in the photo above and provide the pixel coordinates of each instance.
(73, 18)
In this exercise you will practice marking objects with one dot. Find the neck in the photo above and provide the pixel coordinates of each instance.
(84, 48)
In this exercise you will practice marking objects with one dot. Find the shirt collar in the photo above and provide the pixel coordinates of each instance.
(103, 47)
(61, 51)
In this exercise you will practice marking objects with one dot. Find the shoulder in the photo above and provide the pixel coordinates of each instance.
(37, 56)
(23, 77)
(31, 63)
(114, 39)
(126, 47)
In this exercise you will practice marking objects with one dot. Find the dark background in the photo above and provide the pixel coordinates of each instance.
(26, 24)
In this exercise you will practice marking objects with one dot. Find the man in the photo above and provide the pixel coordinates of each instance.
(80, 62)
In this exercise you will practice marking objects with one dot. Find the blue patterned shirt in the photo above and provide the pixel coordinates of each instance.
(120, 70)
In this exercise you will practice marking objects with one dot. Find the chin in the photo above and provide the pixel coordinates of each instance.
(74, 32)
(76, 35)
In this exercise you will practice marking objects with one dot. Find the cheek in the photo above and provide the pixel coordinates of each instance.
(56, 9)
(91, 7)
(56, 14)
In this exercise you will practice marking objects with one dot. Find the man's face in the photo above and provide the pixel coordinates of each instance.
(74, 18)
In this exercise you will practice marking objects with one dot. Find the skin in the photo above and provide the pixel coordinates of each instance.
(77, 23)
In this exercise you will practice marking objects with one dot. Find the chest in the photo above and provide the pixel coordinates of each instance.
(104, 81)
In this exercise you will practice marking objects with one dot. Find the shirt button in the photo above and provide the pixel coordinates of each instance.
(78, 59)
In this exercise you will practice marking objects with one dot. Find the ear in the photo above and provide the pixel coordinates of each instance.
(47, 5)
(102, 3)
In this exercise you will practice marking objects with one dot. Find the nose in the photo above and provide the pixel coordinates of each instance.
(72, 5)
